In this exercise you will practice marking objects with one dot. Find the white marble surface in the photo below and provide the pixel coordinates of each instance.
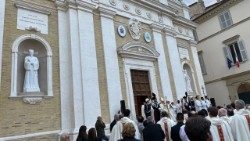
(30, 20)
(164, 75)
(111, 64)
(176, 66)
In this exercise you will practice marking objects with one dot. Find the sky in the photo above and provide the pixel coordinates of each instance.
(207, 2)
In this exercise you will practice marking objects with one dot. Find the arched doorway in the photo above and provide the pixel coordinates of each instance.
(244, 92)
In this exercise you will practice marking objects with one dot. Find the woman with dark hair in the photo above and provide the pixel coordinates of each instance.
(92, 135)
(82, 135)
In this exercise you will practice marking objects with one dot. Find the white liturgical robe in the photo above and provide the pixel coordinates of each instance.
(198, 105)
(166, 124)
(116, 133)
(240, 126)
(220, 130)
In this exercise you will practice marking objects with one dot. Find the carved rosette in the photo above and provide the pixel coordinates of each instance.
(149, 15)
(126, 7)
(134, 29)
(112, 2)
(138, 11)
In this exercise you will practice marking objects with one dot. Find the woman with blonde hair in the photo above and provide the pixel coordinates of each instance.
(128, 132)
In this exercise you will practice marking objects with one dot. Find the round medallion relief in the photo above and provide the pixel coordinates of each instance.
(147, 37)
(121, 30)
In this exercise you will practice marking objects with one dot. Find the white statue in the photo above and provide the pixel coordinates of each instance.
(188, 81)
(31, 65)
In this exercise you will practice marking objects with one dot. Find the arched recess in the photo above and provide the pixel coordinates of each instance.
(244, 92)
(19, 48)
(187, 65)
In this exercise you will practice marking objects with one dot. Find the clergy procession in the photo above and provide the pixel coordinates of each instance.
(187, 119)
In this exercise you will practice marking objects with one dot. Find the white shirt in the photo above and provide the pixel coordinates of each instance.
(183, 134)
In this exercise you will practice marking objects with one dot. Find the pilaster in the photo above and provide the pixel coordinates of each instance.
(201, 85)
(111, 60)
(175, 62)
(164, 75)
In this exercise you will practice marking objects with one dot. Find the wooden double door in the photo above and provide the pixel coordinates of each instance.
(141, 88)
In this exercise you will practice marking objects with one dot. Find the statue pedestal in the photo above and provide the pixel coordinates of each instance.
(32, 97)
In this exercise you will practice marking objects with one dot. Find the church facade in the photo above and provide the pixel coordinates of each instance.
(92, 54)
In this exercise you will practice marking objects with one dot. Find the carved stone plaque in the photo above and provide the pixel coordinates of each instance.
(183, 53)
(29, 20)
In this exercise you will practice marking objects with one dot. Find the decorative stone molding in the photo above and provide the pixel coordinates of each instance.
(112, 2)
(156, 27)
(138, 11)
(138, 50)
(169, 30)
(33, 7)
(107, 13)
(126, 7)
(149, 15)
(134, 29)
(32, 100)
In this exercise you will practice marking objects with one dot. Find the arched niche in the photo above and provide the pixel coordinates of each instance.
(43, 52)
(190, 72)
(244, 92)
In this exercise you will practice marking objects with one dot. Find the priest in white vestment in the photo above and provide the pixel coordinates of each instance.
(222, 113)
(208, 103)
(220, 130)
(166, 124)
(198, 105)
(203, 104)
(116, 133)
(240, 122)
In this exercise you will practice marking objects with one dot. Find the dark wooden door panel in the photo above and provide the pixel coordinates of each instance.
(141, 88)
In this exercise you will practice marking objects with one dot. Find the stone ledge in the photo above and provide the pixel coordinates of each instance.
(31, 97)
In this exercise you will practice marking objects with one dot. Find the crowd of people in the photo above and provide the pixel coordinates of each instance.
(188, 119)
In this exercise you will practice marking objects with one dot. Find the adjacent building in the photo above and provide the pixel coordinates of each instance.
(86, 56)
(223, 48)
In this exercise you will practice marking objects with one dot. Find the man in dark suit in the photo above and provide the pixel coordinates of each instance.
(152, 132)
(176, 129)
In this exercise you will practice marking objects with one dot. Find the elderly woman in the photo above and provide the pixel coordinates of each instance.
(128, 132)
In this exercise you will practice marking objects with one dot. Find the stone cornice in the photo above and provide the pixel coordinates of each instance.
(33, 7)
(106, 12)
(156, 27)
(157, 5)
(216, 10)
(169, 31)
(80, 5)
(185, 22)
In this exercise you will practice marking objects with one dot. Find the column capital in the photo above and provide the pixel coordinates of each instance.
(193, 43)
(156, 27)
(107, 13)
(86, 6)
(169, 31)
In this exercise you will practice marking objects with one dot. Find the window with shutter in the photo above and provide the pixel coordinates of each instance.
(225, 19)
(235, 51)
(242, 50)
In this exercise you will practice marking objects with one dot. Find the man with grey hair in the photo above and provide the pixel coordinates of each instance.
(240, 122)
